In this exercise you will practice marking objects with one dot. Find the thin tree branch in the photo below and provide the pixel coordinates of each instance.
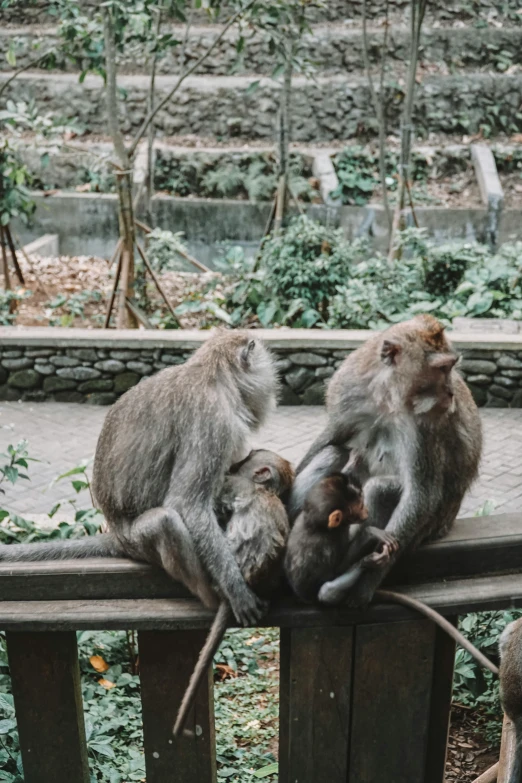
(26, 67)
(150, 116)
(185, 39)
(147, 230)
(157, 283)
(112, 90)
(150, 106)
(378, 104)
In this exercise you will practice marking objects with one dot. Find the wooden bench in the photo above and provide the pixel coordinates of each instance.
(364, 697)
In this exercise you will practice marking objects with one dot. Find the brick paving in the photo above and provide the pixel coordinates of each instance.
(61, 435)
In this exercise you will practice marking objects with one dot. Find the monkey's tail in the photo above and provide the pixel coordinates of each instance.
(100, 545)
(213, 640)
(399, 598)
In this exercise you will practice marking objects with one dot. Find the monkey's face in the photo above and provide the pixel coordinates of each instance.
(334, 502)
(419, 363)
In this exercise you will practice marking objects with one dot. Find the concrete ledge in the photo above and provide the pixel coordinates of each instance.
(46, 245)
(187, 340)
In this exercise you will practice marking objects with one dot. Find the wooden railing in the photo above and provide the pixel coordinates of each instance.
(364, 696)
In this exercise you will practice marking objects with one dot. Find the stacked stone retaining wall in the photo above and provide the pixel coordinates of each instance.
(98, 366)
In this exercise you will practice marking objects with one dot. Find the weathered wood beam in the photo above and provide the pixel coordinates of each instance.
(476, 547)
(448, 597)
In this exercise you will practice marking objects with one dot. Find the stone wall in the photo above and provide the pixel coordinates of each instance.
(332, 49)
(96, 367)
(327, 108)
(22, 12)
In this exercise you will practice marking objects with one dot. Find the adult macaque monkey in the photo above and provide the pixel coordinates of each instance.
(160, 466)
(414, 435)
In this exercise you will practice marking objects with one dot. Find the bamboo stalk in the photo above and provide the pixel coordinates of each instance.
(157, 283)
(30, 264)
(114, 288)
(5, 267)
(121, 317)
(18, 271)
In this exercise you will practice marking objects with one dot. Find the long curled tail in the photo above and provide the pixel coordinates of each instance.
(100, 545)
(213, 640)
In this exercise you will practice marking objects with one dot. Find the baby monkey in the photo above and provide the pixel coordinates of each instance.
(251, 506)
(332, 520)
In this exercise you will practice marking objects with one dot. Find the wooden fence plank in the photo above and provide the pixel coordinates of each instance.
(393, 674)
(440, 708)
(450, 598)
(314, 718)
(166, 663)
(482, 545)
(45, 679)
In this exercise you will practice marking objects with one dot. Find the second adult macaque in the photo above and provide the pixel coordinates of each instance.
(331, 526)
(400, 409)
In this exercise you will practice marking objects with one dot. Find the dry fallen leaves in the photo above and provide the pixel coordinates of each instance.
(98, 663)
(225, 672)
(107, 684)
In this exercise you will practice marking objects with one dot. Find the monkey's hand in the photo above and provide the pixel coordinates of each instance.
(247, 607)
(382, 556)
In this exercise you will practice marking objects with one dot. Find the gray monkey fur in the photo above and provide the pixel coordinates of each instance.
(160, 466)
(400, 407)
(257, 533)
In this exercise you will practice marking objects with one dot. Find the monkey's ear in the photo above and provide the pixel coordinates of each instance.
(335, 518)
(443, 361)
(390, 349)
(262, 475)
(246, 352)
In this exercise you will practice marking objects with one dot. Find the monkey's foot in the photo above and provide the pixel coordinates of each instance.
(250, 610)
(359, 597)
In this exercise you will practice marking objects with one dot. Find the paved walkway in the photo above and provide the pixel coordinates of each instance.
(61, 435)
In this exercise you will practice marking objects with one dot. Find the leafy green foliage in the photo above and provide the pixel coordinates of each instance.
(8, 300)
(15, 179)
(251, 176)
(474, 686)
(298, 273)
(162, 250)
(72, 307)
(311, 276)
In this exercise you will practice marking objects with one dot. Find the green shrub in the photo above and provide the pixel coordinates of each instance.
(308, 262)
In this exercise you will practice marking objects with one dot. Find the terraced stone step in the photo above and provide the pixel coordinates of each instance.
(327, 108)
(332, 48)
(23, 12)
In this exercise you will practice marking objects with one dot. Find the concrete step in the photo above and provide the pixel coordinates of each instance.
(333, 49)
(326, 108)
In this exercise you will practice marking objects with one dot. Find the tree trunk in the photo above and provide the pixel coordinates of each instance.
(418, 10)
(284, 143)
(125, 319)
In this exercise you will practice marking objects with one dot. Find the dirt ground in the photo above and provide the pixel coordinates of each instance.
(86, 284)
(468, 752)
